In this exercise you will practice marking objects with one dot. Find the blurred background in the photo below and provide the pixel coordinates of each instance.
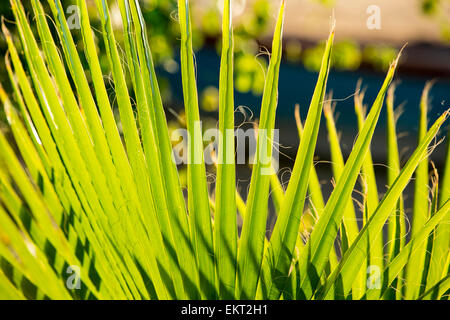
(369, 34)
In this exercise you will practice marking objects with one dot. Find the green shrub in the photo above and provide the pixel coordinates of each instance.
(82, 200)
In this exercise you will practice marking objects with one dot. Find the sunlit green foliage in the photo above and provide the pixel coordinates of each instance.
(95, 207)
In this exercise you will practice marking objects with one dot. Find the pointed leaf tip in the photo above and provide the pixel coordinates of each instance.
(395, 62)
(5, 29)
(332, 23)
